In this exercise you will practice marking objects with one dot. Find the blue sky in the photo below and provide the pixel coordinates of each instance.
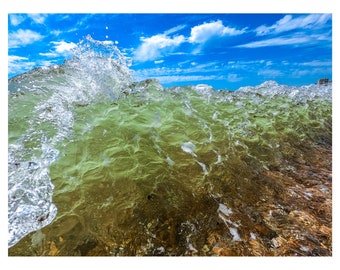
(226, 51)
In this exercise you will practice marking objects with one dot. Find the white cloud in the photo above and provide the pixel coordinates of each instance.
(209, 67)
(38, 18)
(244, 65)
(157, 45)
(49, 54)
(312, 69)
(159, 71)
(56, 32)
(288, 23)
(158, 61)
(277, 42)
(60, 48)
(22, 38)
(46, 63)
(270, 73)
(174, 29)
(301, 73)
(317, 63)
(196, 72)
(14, 58)
(202, 33)
(63, 47)
(18, 64)
(186, 78)
(153, 47)
(232, 77)
(16, 19)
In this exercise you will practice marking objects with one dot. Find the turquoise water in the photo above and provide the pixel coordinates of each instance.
(99, 162)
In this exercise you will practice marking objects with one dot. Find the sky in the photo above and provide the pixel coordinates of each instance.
(226, 51)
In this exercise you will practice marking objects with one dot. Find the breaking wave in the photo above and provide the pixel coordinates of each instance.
(95, 157)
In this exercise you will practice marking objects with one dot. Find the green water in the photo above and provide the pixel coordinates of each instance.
(145, 174)
(101, 165)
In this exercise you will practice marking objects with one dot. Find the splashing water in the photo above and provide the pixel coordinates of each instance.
(115, 167)
(46, 97)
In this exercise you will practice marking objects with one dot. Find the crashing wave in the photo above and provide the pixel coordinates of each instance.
(98, 71)
(106, 141)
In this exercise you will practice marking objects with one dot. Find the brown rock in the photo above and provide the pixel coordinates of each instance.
(54, 251)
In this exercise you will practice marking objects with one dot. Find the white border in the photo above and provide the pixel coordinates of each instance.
(163, 6)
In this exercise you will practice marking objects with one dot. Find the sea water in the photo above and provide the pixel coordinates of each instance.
(99, 163)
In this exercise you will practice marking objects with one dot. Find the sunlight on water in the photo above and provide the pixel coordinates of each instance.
(100, 165)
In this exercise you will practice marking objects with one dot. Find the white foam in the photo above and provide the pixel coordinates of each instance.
(234, 233)
(189, 147)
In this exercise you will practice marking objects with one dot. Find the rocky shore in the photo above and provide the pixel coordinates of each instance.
(284, 211)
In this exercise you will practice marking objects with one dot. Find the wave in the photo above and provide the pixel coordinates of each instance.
(46, 95)
(86, 142)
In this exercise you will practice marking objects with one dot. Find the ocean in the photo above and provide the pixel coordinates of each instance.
(101, 165)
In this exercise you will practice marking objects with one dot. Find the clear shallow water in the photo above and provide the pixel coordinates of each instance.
(100, 165)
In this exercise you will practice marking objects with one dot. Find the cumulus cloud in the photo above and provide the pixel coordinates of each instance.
(21, 38)
(63, 47)
(157, 45)
(60, 48)
(288, 23)
(153, 47)
(16, 19)
(202, 33)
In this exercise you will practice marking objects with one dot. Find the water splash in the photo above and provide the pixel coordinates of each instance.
(97, 71)
(138, 169)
